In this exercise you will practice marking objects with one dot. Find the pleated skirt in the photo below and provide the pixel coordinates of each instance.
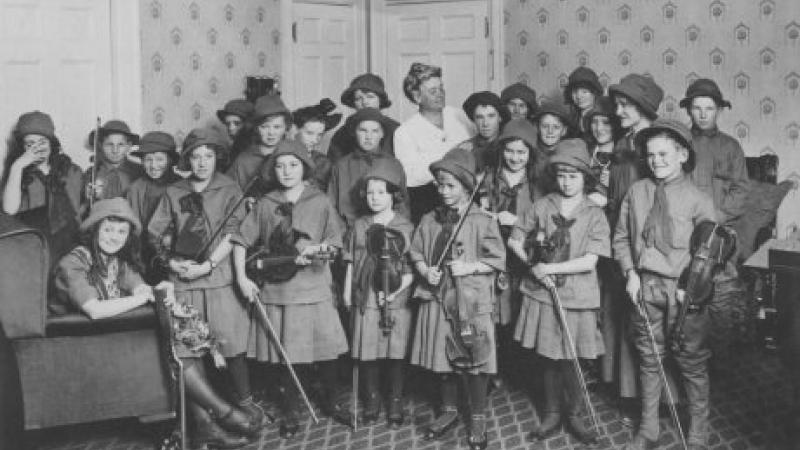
(370, 342)
(432, 328)
(308, 333)
(538, 328)
(227, 317)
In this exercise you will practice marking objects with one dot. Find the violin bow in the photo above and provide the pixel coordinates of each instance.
(562, 318)
(662, 373)
(93, 169)
(460, 223)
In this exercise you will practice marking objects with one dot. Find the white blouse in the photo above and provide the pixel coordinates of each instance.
(418, 142)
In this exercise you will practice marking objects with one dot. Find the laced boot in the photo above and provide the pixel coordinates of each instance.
(372, 408)
(257, 415)
(289, 423)
(551, 420)
(444, 423)
(207, 433)
(574, 398)
(395, 414)
(237, 421)
(477, 438)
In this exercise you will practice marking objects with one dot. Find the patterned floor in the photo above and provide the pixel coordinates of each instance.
(750, 402)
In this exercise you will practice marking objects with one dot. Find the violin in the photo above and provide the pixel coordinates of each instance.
(555, 248)
(385, 248)
(275, 263)
(711, 247)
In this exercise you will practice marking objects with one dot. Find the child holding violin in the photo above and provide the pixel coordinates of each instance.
(191, 227)
(457, 261)
(379, 242)
(568, 233)
(293, 219)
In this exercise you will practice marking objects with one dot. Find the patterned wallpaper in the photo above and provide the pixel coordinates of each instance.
(196, 55)
(750, 47)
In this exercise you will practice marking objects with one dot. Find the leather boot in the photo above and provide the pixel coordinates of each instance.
(551, 420)
(449, 417)
(574, 404)
(207, 433)
(697, 391)
(372, 403)
(255, 412)
(651, 393)
(289, 423)
(477, 438)
(237, 421)
(395, 414)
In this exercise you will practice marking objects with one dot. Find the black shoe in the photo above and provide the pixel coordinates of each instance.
(395, 415)
(372, 408)
(548, 428)
(289, 427)
(441, 425)
(257, 414)
(585, 435)
(238, 421)
(478, 443)
(207, 433)
(477, 438)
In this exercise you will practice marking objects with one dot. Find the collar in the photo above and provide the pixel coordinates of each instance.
(309, 192)
(678, 180)
(218, 181)
(707, 133)
(554, 198)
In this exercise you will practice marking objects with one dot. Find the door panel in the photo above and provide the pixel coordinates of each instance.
(56, 57)
(448, 34)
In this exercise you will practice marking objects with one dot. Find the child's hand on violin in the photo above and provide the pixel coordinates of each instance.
(433, 276)
(195, 270)
(540, 271)
(249, 289)
(461, 268)
(506, 218)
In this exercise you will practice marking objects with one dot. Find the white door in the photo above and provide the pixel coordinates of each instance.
(326, 51)
(55, 56)
(451, 34)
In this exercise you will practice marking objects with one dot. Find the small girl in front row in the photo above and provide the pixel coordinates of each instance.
(102, 278)
(462, 289)
(578, 229)
(294, 217)
(374, 340)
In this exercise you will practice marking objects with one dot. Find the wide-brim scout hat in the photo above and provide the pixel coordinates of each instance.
(115, 127)
(485, 98)
(204, 136)
(383, 169)
(365, 114)
(287, 147)
(460, 163)
(321, 111)
(522, 92)
(157, 141)
(112, 207)
(641, 90)
(366, 82)
(236, 107)
(270, 105)
(573, 153)
(555, 108)
(704, 87)
(676, 130)
(519, 129)
(582, 77)
(36, 122)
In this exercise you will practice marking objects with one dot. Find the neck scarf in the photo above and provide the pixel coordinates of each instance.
(195, 233)
(657, 229)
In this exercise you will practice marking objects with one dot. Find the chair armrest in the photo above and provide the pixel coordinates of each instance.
(24, 267)
(77, 324)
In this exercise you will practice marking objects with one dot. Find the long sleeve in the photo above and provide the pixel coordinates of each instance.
(405, 149)
(622, 244)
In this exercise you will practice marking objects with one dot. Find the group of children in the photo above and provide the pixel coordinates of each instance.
(524, 219)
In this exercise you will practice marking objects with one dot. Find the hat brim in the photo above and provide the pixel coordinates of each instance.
(632, 96)
(172, 154)
(348, 97)
(222, 113)
(133, 137)
(643, 136)
(687, 101)
(96, 217)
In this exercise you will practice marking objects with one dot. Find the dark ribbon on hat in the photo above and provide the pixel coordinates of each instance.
(657, 229)
(194, 233)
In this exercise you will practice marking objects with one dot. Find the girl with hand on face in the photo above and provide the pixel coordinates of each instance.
(42, 185)
(294, 218)
(184, 222)
(113, 171)
(102, 278)
(378, 345)
(311, 123)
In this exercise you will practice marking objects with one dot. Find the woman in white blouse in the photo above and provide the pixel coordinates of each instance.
(427, 135)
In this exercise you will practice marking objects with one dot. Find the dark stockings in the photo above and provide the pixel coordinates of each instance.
(240, 377)
(199, 391)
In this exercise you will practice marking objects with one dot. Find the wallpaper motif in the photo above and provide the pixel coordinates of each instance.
(197, 54)
(750, 48)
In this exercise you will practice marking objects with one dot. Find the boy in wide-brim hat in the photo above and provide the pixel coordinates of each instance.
(113, 171)
(651, 244)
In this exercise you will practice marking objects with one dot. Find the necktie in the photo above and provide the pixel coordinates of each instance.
(657, 230)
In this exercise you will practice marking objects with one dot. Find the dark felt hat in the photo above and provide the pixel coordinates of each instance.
(641, 90)
(156, 141)
(204, 136)
(321, 111)
(522, 92)
(287, 147)
(603, 106)
(704, 87)
(269, 105)
(36, 122)
(555, 108)
(115, 127)
(582, 77)
(366, 82)
(485, 98)
(519, 129)
(675, 129)
(365, 114)
(460, 163)
(383, 169)
(112, 207)
(574, 153)
(236, 107)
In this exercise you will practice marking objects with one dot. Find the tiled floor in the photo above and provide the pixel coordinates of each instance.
(750, 402)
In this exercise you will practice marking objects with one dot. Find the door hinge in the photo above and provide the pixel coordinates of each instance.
(294, 32)
(486, 27)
